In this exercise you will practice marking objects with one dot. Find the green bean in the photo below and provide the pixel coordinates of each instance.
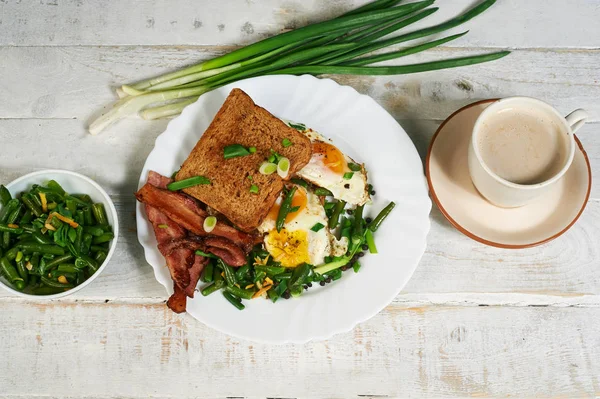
(54, 186)
(86, 261)
(374, 225)
(207, 273)
(77, 244)
(234, 300)
(99, 213)
(36, 199)
(229, 273)
(270, 270)
(41, 248)
(23, 272)
(51, 195)
(299, 274)
(100, 257)
(106, 237)
(96, 231)
(86, 244)
(285, 208)
(87, 216)
(26, 218)
(10, 272)
(84, 198)
(259, 276)
(335, 216)
(283, 276)
(42, 238)
(80, 278)
(11, 254)
(15, 230)
(78, 202)
(13, 217)
(55, 222)
(356, 267)
(57, 273)
(241, 272)
(370, 241)
(217, 274)
(47, 290)
(8, 209)
(357, 228)
(240, 292)
(55, 284)
(5, 196)
(68, 268)
(5, 240)
(216, 286)
(71, 205)
(96, 248)
(27, 228)
(35, 263)
(31, 205)
(79, 218)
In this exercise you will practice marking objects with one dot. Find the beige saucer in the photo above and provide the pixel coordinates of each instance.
(453, 192)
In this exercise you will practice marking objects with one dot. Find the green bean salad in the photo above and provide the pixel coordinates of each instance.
(50, 240)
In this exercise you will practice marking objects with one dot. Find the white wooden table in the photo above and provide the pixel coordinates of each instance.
(473, 321)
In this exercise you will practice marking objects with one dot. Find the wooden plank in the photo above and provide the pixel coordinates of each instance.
(138, 351)
(75, 82)
(510, 23)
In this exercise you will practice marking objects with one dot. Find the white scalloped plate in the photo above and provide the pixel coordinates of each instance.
(364, 131)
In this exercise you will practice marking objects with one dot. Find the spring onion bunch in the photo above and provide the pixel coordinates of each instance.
(337, 46)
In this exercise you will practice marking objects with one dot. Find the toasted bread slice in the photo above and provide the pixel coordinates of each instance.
(240, 121)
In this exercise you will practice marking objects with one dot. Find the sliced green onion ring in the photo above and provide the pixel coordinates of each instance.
(267, 168)
(210, 223)
(283, 167)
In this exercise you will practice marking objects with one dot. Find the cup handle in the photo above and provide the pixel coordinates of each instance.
(576, 119)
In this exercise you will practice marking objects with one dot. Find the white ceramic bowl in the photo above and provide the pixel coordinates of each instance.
(72, 183)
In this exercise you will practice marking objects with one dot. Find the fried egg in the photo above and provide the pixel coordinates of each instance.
(328, 168)
(297, 243)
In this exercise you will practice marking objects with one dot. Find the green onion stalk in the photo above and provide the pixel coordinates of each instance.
(339, 46)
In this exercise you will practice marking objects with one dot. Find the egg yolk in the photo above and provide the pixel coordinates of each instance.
(288, 247)
(299, 200)
(331, 157)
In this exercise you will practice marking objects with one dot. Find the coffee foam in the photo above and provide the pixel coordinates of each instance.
(523, 145)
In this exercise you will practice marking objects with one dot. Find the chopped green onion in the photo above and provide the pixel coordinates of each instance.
(298, 126)
(267, 168)
(356, 266)
(274, 157)
(234, 151)
(286, 143)
(251, 150)
(283, 167)
(210, 223)
(163, 226)
(254, 189)
(317, 227)
(190, 182)
(249, 177)
(354, 167)
(348, 175)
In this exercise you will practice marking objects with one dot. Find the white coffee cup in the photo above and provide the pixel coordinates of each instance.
(502, 191)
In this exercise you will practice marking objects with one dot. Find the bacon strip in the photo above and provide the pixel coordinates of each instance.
(177, 301)
(164, 228)
(226, 250)
(158, 180)
(186, 212)
(195, 271)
